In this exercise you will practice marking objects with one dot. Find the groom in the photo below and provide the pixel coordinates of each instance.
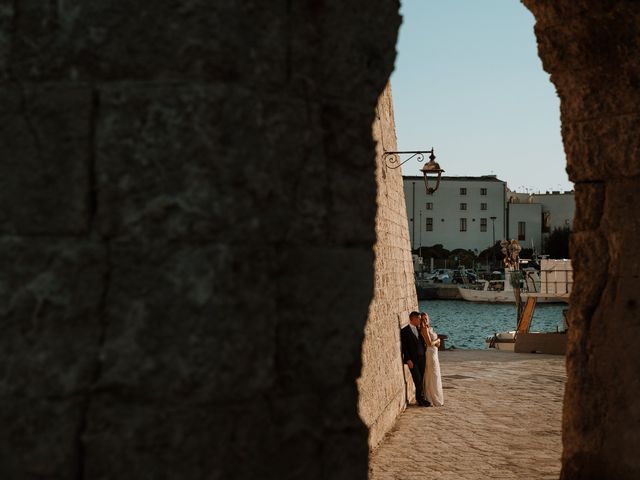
(413, 354)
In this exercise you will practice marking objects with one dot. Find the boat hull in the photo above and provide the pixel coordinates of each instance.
(491, 296)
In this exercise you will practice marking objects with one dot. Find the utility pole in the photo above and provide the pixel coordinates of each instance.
(493, 250)
(420, 241)
(413, 216)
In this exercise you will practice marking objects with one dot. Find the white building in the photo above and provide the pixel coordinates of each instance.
(465, 212)
(474, 212)
(558, 209)
(532, 217)
(525, 224)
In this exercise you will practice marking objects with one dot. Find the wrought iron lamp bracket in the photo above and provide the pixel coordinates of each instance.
(392, 159)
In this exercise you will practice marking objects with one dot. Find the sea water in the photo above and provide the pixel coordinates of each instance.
(468, 324)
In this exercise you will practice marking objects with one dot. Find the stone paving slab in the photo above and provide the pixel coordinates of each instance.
(501, 420)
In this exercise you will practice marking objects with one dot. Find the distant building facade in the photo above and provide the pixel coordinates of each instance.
(525, 224)
(556, 210)
(465, 212)
(474, 212)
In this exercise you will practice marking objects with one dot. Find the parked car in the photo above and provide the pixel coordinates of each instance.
(460, 275)
(441, 275)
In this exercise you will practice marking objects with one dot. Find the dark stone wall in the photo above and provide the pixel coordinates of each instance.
(590, 48)
(187, 209)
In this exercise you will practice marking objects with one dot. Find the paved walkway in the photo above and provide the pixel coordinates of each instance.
(501, 420)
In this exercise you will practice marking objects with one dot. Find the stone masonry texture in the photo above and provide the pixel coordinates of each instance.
(187, 229)
(382, 385)
(590, 50)
(199, 253)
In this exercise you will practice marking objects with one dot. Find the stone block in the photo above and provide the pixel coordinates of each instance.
(621, 202)
(39, 438)
(45, 146)
(346, 455)
(300, 435)
(589, 200)
(190, 322)
(50, 294)
(232, 41)
(598, 93)
(351, 171)
(601, 148)
(604, 39)
(342, 51)
(6, 17)
(169, 165)
(146, 440)
(589, 259)
(553, 12)
(322, 315)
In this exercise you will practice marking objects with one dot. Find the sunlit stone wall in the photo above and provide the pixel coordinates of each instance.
(382, 387)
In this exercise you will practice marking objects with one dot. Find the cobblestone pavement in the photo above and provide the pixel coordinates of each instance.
(501, 419)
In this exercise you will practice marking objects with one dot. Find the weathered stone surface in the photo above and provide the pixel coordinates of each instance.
(590, 50)
(585, 41)
(621, 203)
(167, 39)
(225, 313)
(6, 16)
(602, 147)
(589, 204)
(44, 174)
(147, 440)
(351, 173)
(330, 58)
(384, 388)
(168, 166)
(319, 346)
(50, 293)
(229, 160)
(39, 438)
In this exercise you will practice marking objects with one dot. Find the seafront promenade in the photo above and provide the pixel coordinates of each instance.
(501, 420)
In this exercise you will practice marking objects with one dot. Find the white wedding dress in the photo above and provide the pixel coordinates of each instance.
(432, 381)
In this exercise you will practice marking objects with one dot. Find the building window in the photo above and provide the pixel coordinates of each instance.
(429, 224)
(483, 191)
(522, 230)
(483, 224)
(463, 206)
(463, 191)
(483, 206)
(463, 224)
(429, 206)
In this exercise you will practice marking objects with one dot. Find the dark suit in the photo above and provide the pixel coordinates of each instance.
(414, 348)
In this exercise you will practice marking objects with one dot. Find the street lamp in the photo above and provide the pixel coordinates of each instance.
(431, 170)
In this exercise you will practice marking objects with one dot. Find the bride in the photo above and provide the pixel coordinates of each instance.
(432, 389)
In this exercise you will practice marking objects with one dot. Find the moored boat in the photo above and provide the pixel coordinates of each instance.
(553, 287)
(522, 340)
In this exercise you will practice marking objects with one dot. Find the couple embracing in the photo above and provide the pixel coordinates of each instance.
(420, 352)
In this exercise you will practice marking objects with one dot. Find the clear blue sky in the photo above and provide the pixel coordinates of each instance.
(468, 81)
